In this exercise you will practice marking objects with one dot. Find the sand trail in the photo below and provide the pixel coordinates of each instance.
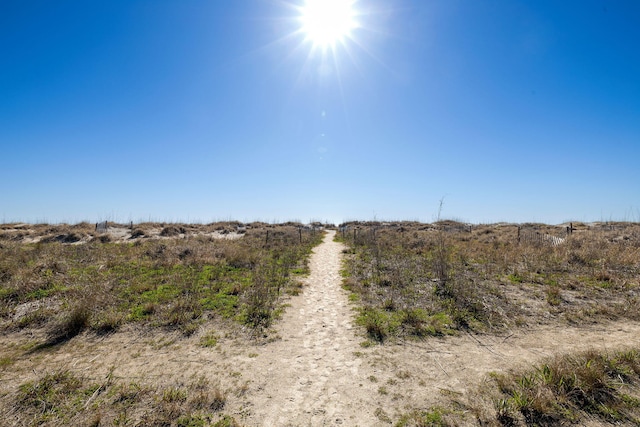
(313, 377)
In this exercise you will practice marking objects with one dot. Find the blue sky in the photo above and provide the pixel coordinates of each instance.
(202, 110)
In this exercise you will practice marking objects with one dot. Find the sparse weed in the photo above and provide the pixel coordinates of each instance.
(6, 361)
(210, 339)
(382, 415)
(432, 418)
(554, 296)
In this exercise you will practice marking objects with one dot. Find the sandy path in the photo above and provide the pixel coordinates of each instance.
(314, 378)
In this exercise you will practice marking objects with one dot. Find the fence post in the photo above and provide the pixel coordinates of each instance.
(518, 234)
(267, 238)
(570, 229)
(300, 233)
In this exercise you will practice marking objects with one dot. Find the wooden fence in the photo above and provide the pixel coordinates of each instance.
(103, 227)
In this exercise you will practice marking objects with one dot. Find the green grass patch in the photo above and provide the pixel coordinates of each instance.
(435, 417)
(209, 340)
(515, 278)
(224, 304)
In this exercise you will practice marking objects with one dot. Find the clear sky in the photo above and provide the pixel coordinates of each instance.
(202, 110)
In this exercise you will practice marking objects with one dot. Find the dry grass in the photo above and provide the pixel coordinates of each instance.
(60, 398)
(176, 283)
(599, 388)
(568, 388)
(432, 279)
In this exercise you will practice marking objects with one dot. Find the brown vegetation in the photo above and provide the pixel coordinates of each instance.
(434, 279)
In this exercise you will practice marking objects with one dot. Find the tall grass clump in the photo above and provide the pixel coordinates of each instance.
(70, 323)
(570, 388)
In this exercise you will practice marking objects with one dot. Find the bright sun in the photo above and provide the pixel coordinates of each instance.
(326, 22)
